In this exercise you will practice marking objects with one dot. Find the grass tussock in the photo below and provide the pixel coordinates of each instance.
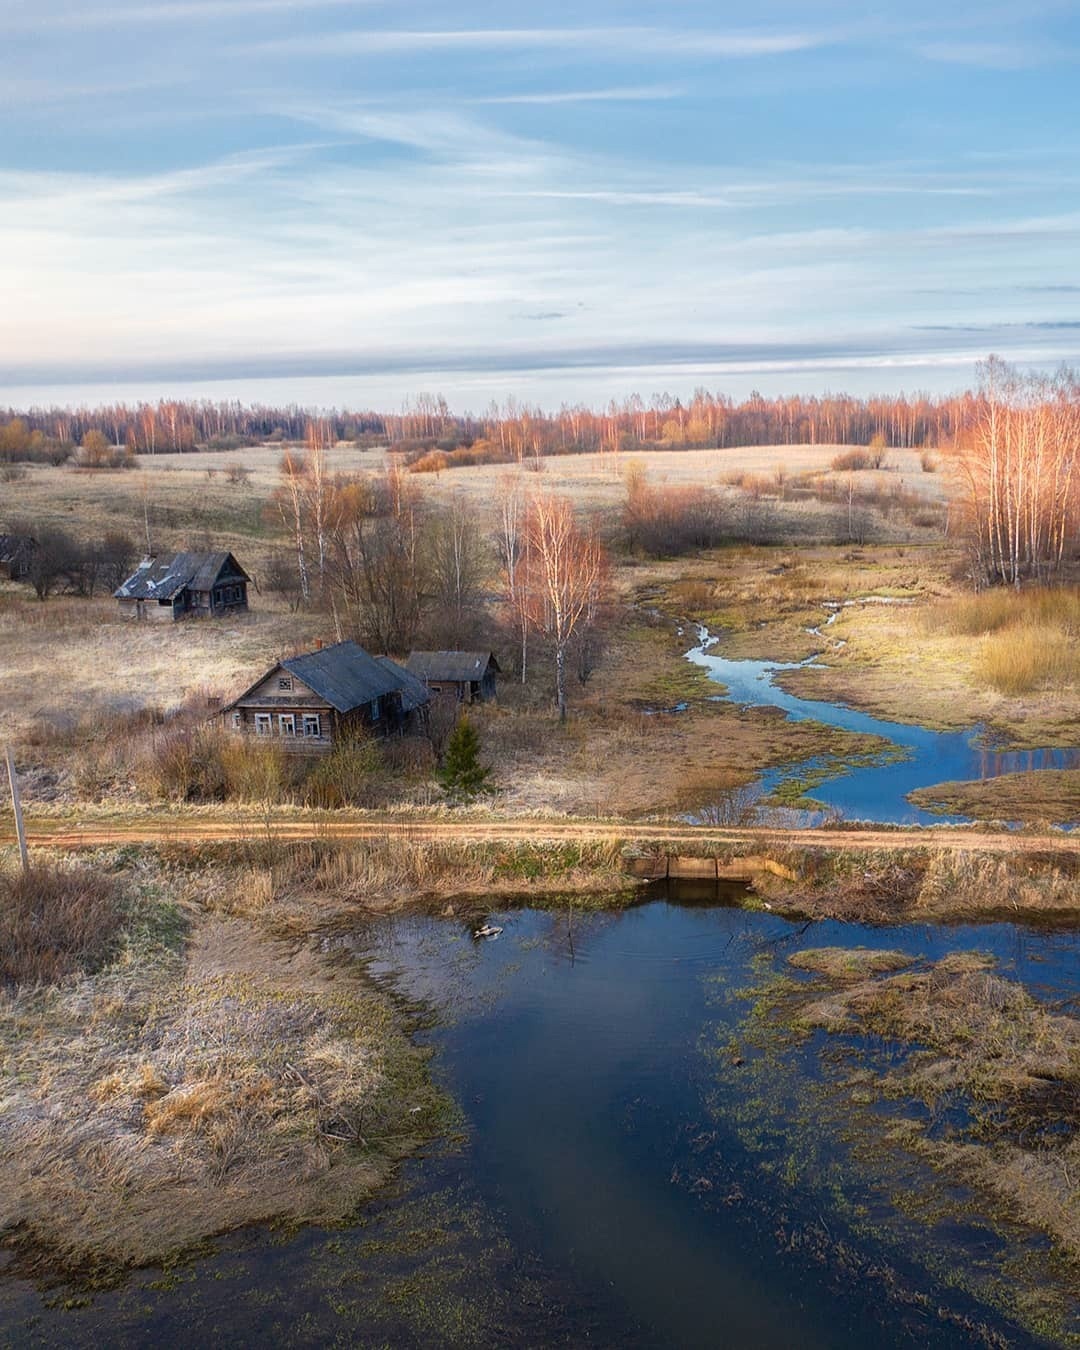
(1027, 657)
(1029, 639)
(55, 922)
(992, 610)
(848, 963)
(983, 1055)
(207, 1076)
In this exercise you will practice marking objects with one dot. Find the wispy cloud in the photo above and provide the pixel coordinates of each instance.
(592, 42)
(81, 16)
(673, 178)
(992, 55)
(620, 94)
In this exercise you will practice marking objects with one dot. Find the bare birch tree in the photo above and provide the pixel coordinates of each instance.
(566, 568)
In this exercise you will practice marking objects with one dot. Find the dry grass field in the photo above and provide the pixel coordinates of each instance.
(190, 496)
(74, 677)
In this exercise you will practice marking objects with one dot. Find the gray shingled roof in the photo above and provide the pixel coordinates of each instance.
(164, 578)
(414, 692)
(458, 667)
(344, 675)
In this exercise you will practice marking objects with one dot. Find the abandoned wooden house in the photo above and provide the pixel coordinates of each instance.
(173, 587)
(306, 703)
(16, 555)
(468, 676)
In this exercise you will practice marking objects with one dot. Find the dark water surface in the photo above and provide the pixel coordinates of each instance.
(874, 792)
(617, 1181)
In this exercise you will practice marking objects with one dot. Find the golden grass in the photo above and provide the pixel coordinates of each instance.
(55, 921)
(175, 1094)
(1028, 656)
(1030, 638)
(69, 662)
(992, 610)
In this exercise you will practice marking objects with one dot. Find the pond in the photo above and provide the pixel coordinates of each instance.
(877, 791)
(619, 1175)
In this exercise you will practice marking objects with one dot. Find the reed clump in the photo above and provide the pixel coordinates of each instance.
(1028, 638)
(56, 921)
(1027, 657)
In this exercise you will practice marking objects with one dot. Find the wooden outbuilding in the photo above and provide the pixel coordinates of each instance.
(16, 555)
(306, 703)
(468, 676)
(169, 588)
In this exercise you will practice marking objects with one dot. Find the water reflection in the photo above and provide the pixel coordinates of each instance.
(619, 1178)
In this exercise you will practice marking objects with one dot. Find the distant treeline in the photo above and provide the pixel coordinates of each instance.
(511, 432)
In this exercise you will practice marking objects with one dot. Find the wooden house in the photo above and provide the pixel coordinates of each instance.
(468, 676)
(16, 553)
(306, 703)
(169, 588)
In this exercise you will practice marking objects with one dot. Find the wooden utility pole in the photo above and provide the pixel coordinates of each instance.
(16, 806)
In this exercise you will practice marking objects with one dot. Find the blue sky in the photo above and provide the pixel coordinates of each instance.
(347, 200)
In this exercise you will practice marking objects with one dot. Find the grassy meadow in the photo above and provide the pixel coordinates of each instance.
(84, 695)
(191, 1047)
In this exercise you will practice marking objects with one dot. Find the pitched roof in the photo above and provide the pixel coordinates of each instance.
(164, 578)
(414, 692)
(344, 675)
(457, 667)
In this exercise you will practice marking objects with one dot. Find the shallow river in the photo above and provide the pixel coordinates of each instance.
(636, 1165)
(874, 792)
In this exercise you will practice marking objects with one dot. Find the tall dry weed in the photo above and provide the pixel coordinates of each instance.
(54, 922)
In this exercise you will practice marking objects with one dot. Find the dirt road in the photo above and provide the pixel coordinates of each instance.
(192, 830)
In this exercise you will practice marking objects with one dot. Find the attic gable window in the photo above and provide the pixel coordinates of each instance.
(285, 683)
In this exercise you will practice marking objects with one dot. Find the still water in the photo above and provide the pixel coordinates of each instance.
(874, 792)
(634, 1165)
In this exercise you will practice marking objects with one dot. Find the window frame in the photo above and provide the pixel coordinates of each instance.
(286, 724)
(309, 733)
(264, 724)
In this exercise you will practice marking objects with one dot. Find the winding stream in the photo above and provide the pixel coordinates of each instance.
(875, 792)
(617, 1180)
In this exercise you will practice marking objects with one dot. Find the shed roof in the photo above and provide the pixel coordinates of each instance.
(164, 578)
(414, 692)
(456, 667)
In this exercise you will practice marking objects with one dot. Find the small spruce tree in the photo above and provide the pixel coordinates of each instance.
(462, 775)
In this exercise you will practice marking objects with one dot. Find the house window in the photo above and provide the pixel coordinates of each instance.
(287, 724)
(237, 721)
(376, 709)
(262, 724)
(311, 724)
(285, 682)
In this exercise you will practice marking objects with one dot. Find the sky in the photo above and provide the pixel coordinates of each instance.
(346, 202)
